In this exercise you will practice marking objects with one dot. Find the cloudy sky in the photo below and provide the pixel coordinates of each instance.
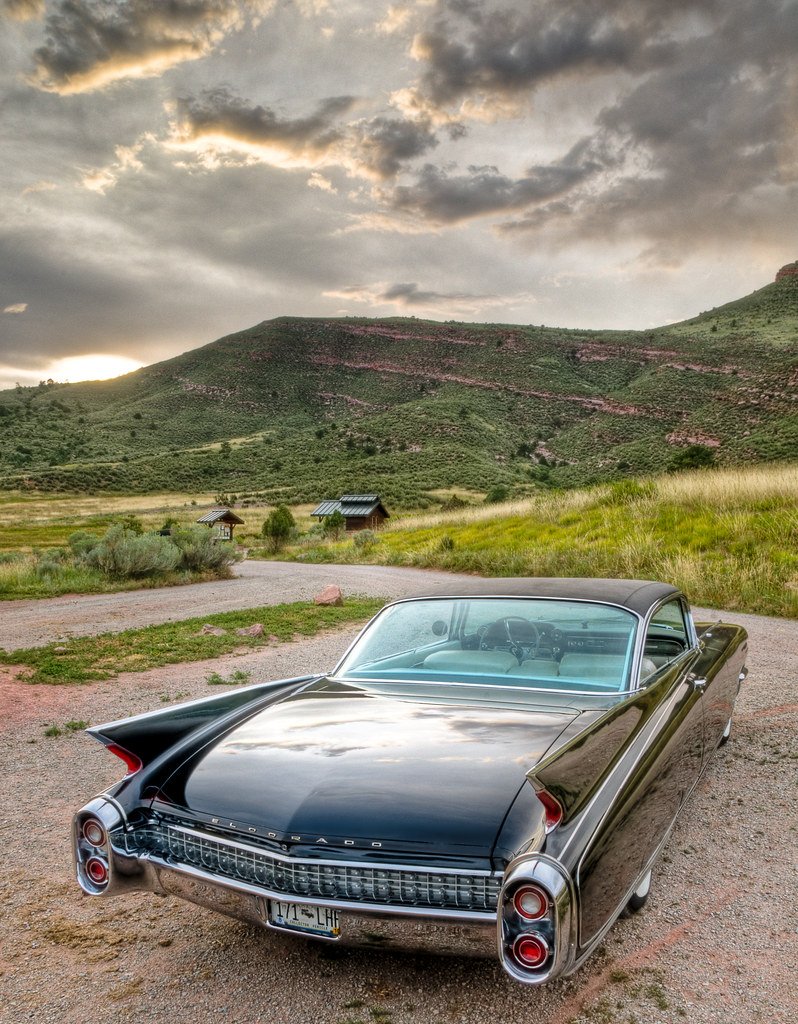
(174, 170)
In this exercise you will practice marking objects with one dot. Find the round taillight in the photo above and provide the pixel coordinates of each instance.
(530, 951)
(530, 902)
(97, 870)
(93, 832)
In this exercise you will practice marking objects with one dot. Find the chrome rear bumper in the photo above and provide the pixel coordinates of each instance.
(373, 930)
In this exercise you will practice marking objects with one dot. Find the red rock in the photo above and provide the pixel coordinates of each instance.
(790, 270)
(330, 595)
(256, 629)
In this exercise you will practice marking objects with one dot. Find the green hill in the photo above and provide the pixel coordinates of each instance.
(298, 409)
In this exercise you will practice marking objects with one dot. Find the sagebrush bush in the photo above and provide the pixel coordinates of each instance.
(81, 542)
(123, 554)
(46, 568)
(200, 551)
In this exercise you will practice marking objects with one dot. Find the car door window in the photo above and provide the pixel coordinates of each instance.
(666, 638)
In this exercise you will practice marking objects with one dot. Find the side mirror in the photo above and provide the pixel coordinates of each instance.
(439, 628)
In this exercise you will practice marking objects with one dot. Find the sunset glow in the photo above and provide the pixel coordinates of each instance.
(92, 366)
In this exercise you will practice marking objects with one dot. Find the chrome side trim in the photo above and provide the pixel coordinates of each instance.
(512, 687)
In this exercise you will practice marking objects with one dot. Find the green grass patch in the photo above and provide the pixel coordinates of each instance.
(86, 659)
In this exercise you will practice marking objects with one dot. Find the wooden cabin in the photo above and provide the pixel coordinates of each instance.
(361, 511)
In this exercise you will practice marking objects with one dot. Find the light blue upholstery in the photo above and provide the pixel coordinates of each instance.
(489, 663)
(542, 668)
(592, 666)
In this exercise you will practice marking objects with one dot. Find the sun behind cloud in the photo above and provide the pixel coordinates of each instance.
(92, 366)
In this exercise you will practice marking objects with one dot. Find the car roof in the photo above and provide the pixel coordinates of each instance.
(636, 595)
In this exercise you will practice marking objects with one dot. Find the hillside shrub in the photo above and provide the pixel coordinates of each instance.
(278, 527)
(497, 493)
(694, 456)
(124, 554)
(453, 503)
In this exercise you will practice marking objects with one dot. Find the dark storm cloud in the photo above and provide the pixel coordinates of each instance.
(377, 147)
(219, 113)
(408, 295)
(382, 145)
(710, 141)
(91, 43)
(445, 198)
(503, 52)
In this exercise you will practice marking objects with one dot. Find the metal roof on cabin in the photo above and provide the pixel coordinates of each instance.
(217, 514)
(353, 511)
(352, 506)
(326, 508)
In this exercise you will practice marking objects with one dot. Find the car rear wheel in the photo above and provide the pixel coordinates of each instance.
(639, 897)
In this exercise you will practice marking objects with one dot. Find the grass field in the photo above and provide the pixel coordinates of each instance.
(86, 659)
(729, 539)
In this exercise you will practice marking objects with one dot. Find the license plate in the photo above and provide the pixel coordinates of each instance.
(304, 917)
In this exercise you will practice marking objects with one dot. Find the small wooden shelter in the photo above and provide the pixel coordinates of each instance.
(361, 511)
(221, 521)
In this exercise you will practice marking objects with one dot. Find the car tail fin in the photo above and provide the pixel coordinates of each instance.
(145, 737)
(566, 779)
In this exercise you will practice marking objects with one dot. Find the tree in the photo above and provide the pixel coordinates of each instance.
(334, 524)
(694, 456)
(278, 527)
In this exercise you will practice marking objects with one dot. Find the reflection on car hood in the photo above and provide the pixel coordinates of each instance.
(335, 762)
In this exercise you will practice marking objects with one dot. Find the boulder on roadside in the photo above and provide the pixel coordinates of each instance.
(256, 629)
(209, 630)
(330, 595)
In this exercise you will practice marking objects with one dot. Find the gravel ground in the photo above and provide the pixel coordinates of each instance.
(717, 942)
(33, 623)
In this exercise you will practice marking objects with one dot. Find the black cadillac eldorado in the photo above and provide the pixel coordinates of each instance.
(493, 770)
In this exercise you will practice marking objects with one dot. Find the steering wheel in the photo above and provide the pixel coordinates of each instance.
(516, 631)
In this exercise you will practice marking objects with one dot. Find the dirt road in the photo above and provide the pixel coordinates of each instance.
(717, 942)
(33, 623)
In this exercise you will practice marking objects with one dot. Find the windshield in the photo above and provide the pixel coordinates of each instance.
(569, 646)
